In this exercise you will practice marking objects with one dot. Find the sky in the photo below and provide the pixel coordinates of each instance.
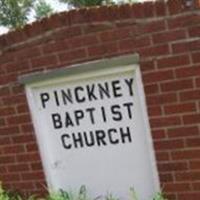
(57, 6)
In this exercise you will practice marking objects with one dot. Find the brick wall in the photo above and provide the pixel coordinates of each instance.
(167, 37)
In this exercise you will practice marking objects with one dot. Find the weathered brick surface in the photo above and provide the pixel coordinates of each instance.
(167, 37)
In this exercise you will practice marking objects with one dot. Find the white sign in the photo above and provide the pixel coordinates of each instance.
(92, 130)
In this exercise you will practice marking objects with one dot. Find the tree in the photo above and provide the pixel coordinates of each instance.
(86, 3)
(43, 9)
(14, 13)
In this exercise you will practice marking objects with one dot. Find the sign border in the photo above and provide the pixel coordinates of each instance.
(103, 66)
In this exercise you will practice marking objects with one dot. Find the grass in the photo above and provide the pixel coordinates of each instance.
(69, 195)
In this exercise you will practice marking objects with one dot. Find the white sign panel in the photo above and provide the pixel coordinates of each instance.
(92, 130)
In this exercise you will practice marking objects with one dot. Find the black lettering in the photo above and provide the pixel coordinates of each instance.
(112, 140)
(78, 140)
(56, 98)
(117, 116)
(79, 114)
(116, 88)
(103, 114)
(130, 83)
(66, 96)
(90, 91)
(91, 114)
(64, 139)
(100, 137)
(89, 140)
(44, 98)
(125, 135)
(104, 90)
(68, 120)
(77, 94)
(128, 106)
(57, 122)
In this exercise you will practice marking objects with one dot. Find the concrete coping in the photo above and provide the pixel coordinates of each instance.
(101, 64)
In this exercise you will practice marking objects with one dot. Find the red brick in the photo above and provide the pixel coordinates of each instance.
(180, 108)
(162, 156)
(190, 95)
(158, 76)
(175, 6)
(11, 130)
(23, 185)
(14, 99)
(173, 61)
(196, 186)
(189, 195)
(95, 28)
(195, 164)
(169, 144)
(4, 91)
(138, 10)
(165, 121)
(36, 166)
(23, 108)
(10, 177)
(158, 134)
(160, 8)
(185, 154)
(5, 111)
(172, 166)
(32, 176)
(187, 71)
(194, 31)
(182, 21)
(151, 89)
(28, 157)
(193, 142)
(147, 65)
(5, 140)
(183, 132)
(12, 120)
(165, 37)
(45, 61)
(191, 119)
(154, 111)
(196, 57)
(149, 9)
(27, 53)
(21, 139)
(186, 46)
(32, 147)
(17, 66)
(177, 85)
(6, 159)
(106, 49)
(152, 27)
(18, 168)
(162, 99)
(67, 32)
(166, 177)
(72, 56)
(198, 82)
(83, 41)
(175, 187)
(55, 47)
(14, 149)
(154, 51)
(188, 176)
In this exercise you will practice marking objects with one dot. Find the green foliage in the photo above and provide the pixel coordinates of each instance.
(64, 195)
(43, 9)
(14, 13)
(159, 196)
